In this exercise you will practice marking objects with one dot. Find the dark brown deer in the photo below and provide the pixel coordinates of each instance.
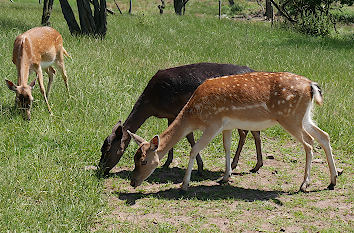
(164, 97)
(253, 101)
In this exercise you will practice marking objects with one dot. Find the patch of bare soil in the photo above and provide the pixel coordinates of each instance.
(264, 201)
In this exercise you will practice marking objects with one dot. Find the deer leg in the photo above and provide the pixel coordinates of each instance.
(227, 134)
(191, 141)
(323, 139)
(257, 141)
(61, 66)
(297, 130)
(207, 136)
(241, 142)
(50, 71)
(38, 70)
(170, 152)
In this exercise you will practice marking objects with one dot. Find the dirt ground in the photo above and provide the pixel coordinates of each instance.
(264, 201)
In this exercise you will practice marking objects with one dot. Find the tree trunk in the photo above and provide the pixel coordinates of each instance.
(87, 23)
(269, 10)
(178, 5)
(91, 24)
(47, 10)
(69, 17)
(101, 27)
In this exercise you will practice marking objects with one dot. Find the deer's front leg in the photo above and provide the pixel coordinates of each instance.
(227, 147)
(207, 136)
(170, 152)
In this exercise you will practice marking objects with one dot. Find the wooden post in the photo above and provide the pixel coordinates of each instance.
(219, 9)
(130, 6)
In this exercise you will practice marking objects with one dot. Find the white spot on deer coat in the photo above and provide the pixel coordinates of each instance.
(289, 97)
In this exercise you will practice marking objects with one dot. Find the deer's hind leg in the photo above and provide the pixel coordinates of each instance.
(297, 130)
(51, 72)
(60, 64)
(38, 70)
(323, 139)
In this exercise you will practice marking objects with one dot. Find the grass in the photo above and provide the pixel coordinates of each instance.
(43, 183)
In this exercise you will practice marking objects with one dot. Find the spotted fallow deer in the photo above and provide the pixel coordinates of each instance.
(164, 97)
(253, 101)
(34, 50)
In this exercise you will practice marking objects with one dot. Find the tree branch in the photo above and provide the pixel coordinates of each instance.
(283, 12)
(117, 7)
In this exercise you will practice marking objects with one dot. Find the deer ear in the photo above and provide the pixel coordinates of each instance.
(115, 127)
(33, 83)
(136, 138)
(154, 142)
(10, 85)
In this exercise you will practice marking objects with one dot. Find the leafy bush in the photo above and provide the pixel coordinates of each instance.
(237, 8)
(312, 17)
(316, 25)
(343, 15)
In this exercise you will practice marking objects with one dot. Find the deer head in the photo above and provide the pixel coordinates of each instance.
(24, 96)
(146, 159)
(111, 149)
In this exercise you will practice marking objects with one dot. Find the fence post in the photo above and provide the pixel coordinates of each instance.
(130, 6)
(219, 9)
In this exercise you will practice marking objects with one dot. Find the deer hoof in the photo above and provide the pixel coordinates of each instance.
(331, 187)
(304, 187)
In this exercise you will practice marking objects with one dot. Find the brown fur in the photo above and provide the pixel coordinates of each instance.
(35, 46)
(252, 101)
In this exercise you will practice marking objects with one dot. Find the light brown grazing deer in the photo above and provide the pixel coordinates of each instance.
(34, 50)
(253, 101)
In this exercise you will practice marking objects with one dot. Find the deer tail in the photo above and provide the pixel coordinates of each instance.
(66, 53)
(316, 93)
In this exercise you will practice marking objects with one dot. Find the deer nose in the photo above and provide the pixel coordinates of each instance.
(133, 183)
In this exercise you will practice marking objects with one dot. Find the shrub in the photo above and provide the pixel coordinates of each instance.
(312, 24)
(312, 17)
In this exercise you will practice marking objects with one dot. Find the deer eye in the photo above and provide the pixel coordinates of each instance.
(143, 162)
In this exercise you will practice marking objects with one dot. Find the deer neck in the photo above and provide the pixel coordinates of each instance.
(135, 119)
(22, 60)
(179, 128)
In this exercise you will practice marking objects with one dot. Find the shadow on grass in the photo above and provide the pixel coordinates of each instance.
(174, 175)
(7, 24)
(331, 43)
(206, 193)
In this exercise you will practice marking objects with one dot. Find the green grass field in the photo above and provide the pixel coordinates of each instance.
(43, 183)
